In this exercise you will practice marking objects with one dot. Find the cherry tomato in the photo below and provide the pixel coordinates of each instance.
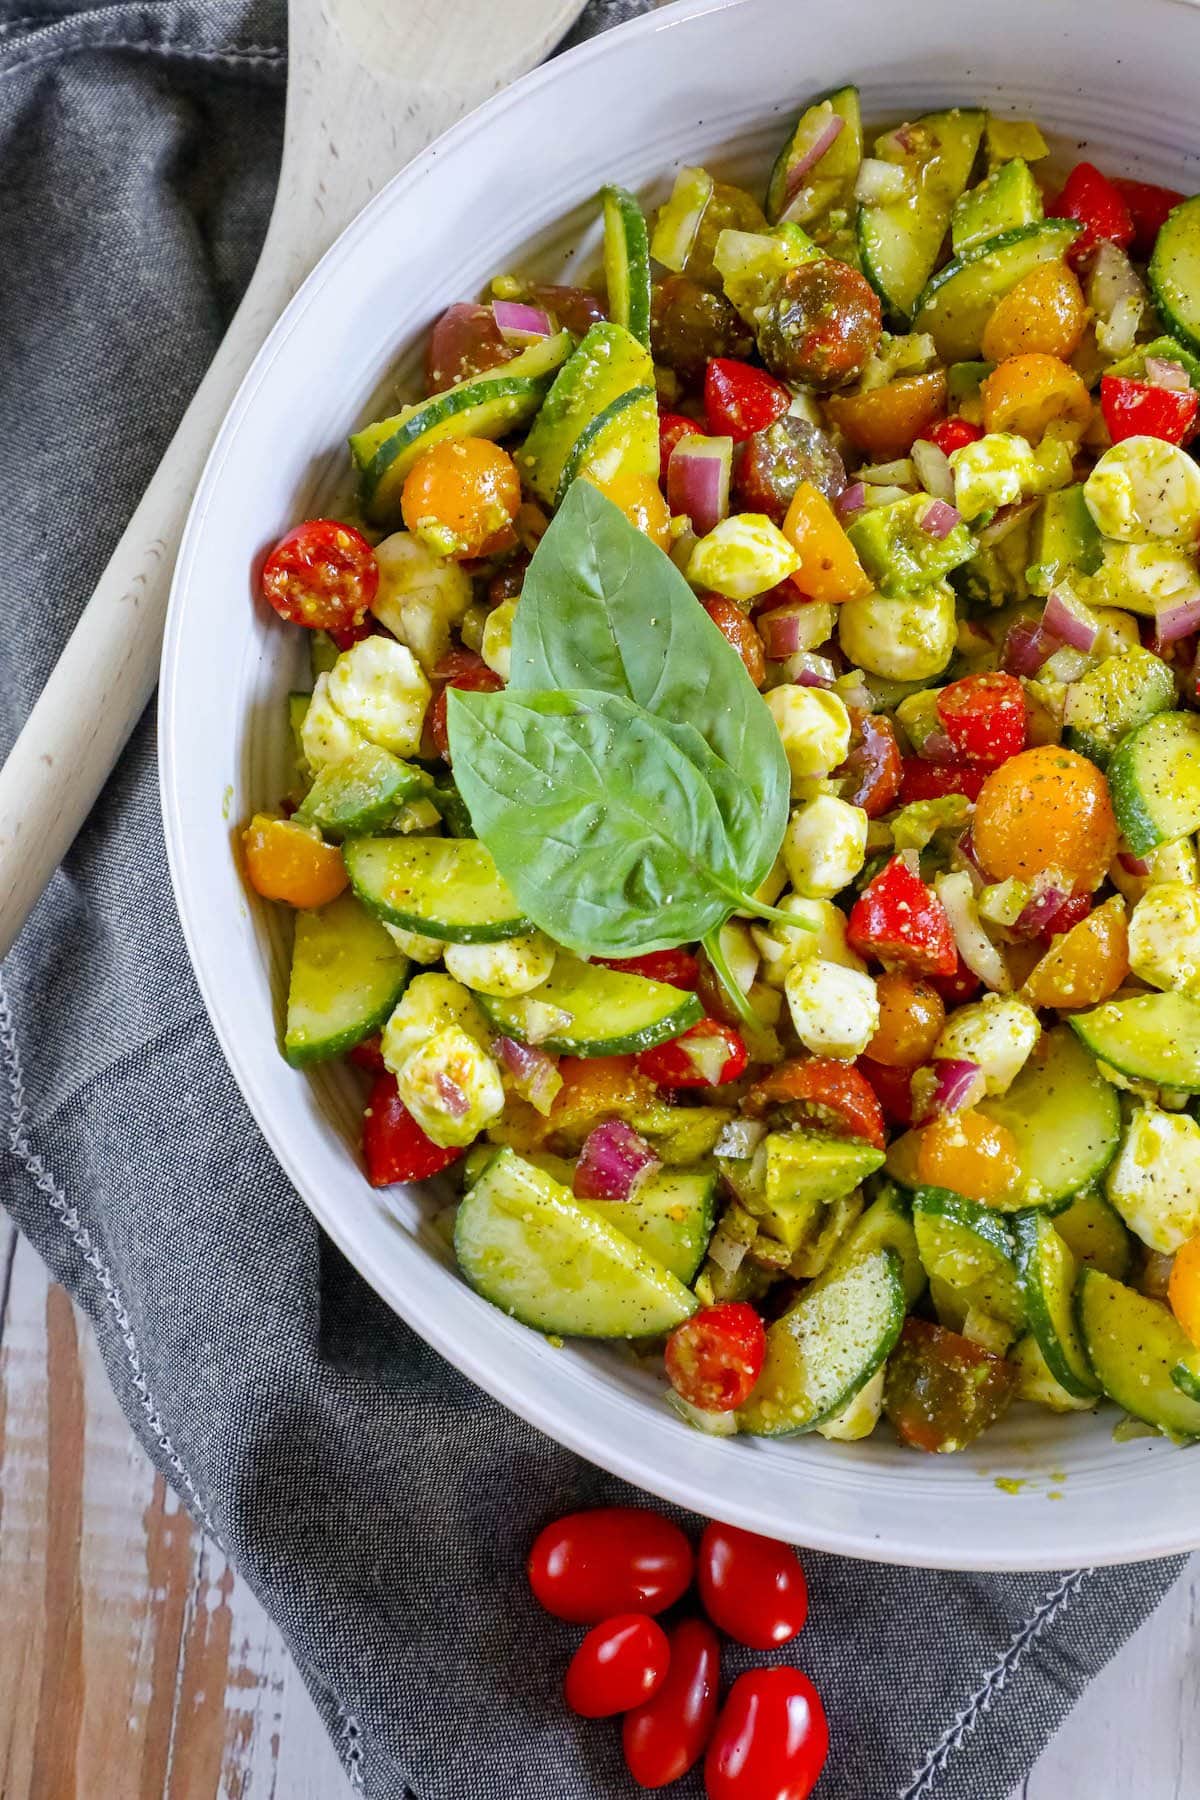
(963, 985)
(872, 772)
(984, 717)
(968, 1154)
(1148, 208)
(1183, 1288)
(822, 326)
(322, 575)
(740, 400)
(821, 1091)
(753, 1588)
(911, 1016)
(288, 861)
(901, 922)
(576, 309)
(588, 1566)
(1098, 206)
(1047, 808)
(708, 1054)
(923, 780)
(774, 462)
(1071, 913)
(368, 1055)
(1045, 312)
(394, 1146)
(461, 497)
(666, 1737)
(949, 435)
(461, 669)
(641, 500)
(671, 428)
(884, 422)
(1085, 964)
(738, 630)
(465, 341)
(771, 1739)
(893, 1089)
(941, 1389)
(620, 1664)
(1140, 409)
(690, 323)
(679, 968)
(715, 1357)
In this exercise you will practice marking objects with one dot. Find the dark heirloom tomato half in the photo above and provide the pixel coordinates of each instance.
(823, 325)
(465, 341)
(774, 462)
(690, 323)
(941, 1389)
(871, 775)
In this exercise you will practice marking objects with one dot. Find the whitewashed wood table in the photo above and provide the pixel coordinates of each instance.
(134, 1665)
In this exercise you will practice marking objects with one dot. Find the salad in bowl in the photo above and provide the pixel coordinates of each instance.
(742, 824)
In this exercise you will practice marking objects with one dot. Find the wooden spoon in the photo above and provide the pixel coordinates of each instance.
(370, 84)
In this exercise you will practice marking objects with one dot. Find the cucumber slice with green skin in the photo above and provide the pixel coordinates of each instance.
(1113, 699)
(885, 1225)
(360, 794)
(452, 806)
(1048, 1273)
(671, 1217)
(445, 888)
(347, 976)
(608, 363)
(627, 262)
(957, 302)
(1154, 775)
(830, 181)
(826, 1349)
(1186, 1375)
(612, 1013)
(1096, 1234)
(526, 1244)
(623, 439)
(899, 242)
(971, 1249)
(1133, 1345)
(1066, 1120)
(489, 405)
(1174, 273)
(1149, 1037)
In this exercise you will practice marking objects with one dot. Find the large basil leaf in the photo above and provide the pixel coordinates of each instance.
(606, 830)
(603, 608)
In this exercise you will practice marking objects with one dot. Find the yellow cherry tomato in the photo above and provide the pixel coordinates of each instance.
(1044, 312)
(1183, 1288)
(1047, 808)
(911, 1016)
(641, 500)
(970, 1155)
(829, 566)
(1085, 965)
(1025, 394)
(461, 498)
(885, 420)
(286, 861)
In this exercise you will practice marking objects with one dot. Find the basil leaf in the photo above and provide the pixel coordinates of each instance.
(603, 826)
(603, 608)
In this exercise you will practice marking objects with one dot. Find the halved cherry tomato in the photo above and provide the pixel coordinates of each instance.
(714, 1358)
(621, 1663)
(738, 630)
(740, 399)
(753, 1588)
(1048, 808)
(321, 574)
(884, 421)
(1069, 914)
(1183, 1288)
(1139, 409)
(671, 428)
(1099, 207)
(892, 1087)
(679, 968)
(461, 669)
(394, 1146)
(465, 341)
(666, 1737)
(461, 498)
(707, 1054)
(984, 717)
(641, 500)
(576, 309)
(872, 773)
(1148, 208)
(822, 1091)
(1027, 394)
(290, 862)
(368, 1055)
(911, 1016)
(771, 1740)
(595, 1088)
(942, 1390)
(969, 1155)
(923, 780)
(829, 566)
(952, 434)
(614, 1559)
(1045, 311)
(1085, 964)
(902, 923)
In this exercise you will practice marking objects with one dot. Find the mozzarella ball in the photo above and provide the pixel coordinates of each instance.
(825, 846)
(902, 640)
(378, 685)
(835, 1010)
(814, 726)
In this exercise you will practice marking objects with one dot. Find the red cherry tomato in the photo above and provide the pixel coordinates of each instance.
(616, 1559)
(707, 1054)
(465, 341)
(664, 1738)
(818, 1090)
(672, 427)
(323, 575)
(964, 984)
(679, 968)
(753, 1588)
(771, 1740)
(1074, 908)
(368, 1055)
(461, 669)
(953, 434)
(1148, 207)
(931, 781)
(715, 1357)
(740, 400)
(902, 923)
(620, 1664)
(984, 717)
(1093, 202)
(739, 631)
(394, 1146)
(893, 1090)
(343, 638)
(1139, 409)
(871, 774)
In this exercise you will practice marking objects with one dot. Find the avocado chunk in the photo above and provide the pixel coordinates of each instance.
(1066, 540)
(901, 558)
(1007, 198)
(794, 1176)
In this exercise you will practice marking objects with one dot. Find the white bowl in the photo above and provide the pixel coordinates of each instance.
(711, 81)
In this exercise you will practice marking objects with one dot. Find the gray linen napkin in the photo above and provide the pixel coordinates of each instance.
(377, 1503)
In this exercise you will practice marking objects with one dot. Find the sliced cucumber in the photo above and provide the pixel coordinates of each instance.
(1133, 1344)
(360, 794)
(608, 363)
(442, 887)
(627, 262)
(1065, 1118)
(1036, 1383)
(1186, 1375)
(970, 1249)
(1048, 1273)
(826, 1349)
(611, 1013)
(1151, 1037)
(830, 180)
(1113, 699)
(1175, 272)
(900, 240)
(1095, 1234)
(489, 405)
(526, 1244)
(347, 975)
(958, 302)
(623, 439)
(671, 1218)
(1154, 775)
(885, 1225)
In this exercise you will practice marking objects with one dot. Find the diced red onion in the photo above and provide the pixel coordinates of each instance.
(518, 323)
(933, 470)
(1178, 619)
(1039, 913)
(939, 519)
(534, 1074)
(783, 630)
(937, 748)
(1004, 520)
(1070, 621)
(613, 1162)
(1026, 647)
(851, 500)
(953, 1084)
(698, 480)
(829, 133)
(1160, 371)
(1133, 865)
(452, 1096)
(807, 669)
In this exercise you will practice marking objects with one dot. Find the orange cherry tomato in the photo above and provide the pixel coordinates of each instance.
(1085, 964)
(733, 624)
(286, 861)
(970, 1155)
(641, 500)
(1183, 1288)
(829, 566)
(1047, 808)
(595, 1088)
(885, 420)
(911, 1016)
(462, 496)
(1025, 394)
(1045, 312)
